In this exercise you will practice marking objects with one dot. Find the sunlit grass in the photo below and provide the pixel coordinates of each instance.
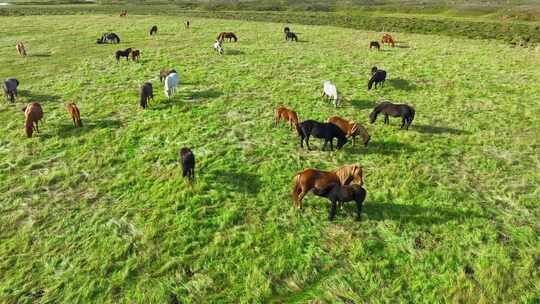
(101, 214)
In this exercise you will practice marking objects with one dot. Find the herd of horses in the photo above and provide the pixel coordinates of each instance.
(341, 185)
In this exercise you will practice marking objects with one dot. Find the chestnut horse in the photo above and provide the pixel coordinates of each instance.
(75, 114)
(310, 179)
(21, 50)
(386, 38)
(287, 115)
(228, 35)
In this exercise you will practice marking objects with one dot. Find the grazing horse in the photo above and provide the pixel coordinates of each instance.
(377, 77)
(404, 111)
(153, 30)
(124, 53)
(75, 114)
(135, 55)
(324, 130)
(123, 13)
(21, 50)
(188, 163)
(291, 36)
(108, 37)
(229, 35)
(386, 38)
(164, 73)
(374, 44)
(186, 24)
(145, 92)
(337, 193)
(10, 88)
(33, 113)
(351, 129)
(171, 81)
(330, 92)
(217, 47)
(287, 115)
(310, 179)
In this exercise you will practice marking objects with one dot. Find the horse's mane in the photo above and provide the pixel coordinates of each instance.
(347, 174)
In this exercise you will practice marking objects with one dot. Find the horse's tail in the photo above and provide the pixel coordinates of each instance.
(297, 188)
(371, 81)
(412, 114)
(298, 129)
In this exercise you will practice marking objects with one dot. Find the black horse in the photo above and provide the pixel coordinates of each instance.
(378, 77)
(188, 163)
(145, 92)
(324, 130)
(291, 36)
(337, 193)
(10, 88)
(153, 30)
(119, 54)
(286, 30)
(108, 37)
(404, 111)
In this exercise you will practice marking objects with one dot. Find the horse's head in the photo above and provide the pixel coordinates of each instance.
(373, 116)
(373, 70)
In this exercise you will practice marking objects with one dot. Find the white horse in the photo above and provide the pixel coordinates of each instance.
(330, 92)
(170, 84)
(217, 47)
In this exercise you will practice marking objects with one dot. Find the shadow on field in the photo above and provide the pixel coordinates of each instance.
(40, 55)
(237, 181)
(66, 130)
(414, 214)
(437, 130)
(402, 45)
(206, 94)
(402, 84)
(234, 52)
(382, 147)
(38, 97)
(363, 104)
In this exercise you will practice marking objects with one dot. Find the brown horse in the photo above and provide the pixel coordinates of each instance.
(123, 13)
(310, 179)
(135, 55)
(351, 129)
(21, 50)
(75, 114)
(386, 38)
(228, 35)
(287, 115)
(33, 113)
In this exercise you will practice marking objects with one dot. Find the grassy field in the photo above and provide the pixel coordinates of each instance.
(101, 214)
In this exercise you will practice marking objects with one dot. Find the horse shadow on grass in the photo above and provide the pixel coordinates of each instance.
(437, 130)
(66, 130)
(40, 55)
(382, 147)
(234, 52)
(363, 104)
(235, 181)
(413, 214)
(208, 94)
(402, 84)
(38, 97)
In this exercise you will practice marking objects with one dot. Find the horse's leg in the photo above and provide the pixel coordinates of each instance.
(358, 209)
(74, 121)
(386, 120)
(332, 144)
(302, 140)
(324, 145)
(332, 213)
(402, 122)
(353, 140)
(307, 142)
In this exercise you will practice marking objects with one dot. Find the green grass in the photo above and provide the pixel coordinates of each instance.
(101, 214)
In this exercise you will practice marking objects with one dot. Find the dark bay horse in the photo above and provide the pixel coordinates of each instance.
(337, 193)
(227, 35)
(404, 111)
(324, 130)
(153, 30)
(125, 53)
